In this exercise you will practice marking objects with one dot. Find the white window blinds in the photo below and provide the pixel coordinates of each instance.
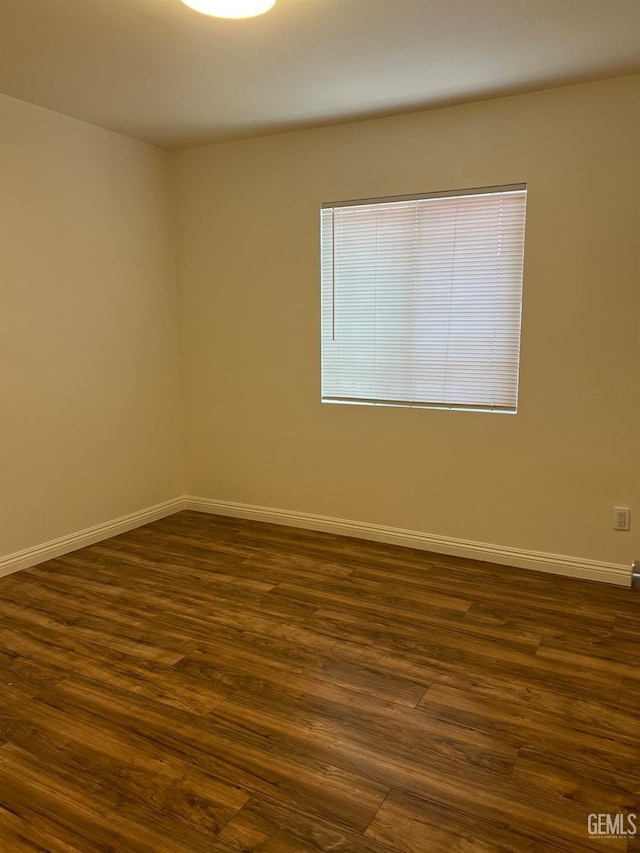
(421, 299)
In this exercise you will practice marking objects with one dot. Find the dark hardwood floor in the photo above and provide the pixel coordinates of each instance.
(208, 684)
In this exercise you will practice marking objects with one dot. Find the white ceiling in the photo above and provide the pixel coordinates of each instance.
(158, 71)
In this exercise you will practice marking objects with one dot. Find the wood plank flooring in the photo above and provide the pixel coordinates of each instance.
(208, 684)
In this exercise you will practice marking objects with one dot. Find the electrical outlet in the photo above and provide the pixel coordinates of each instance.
(621, 518)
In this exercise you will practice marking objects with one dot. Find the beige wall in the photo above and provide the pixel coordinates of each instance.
(90, 407)
(546, 479)
(90, 420)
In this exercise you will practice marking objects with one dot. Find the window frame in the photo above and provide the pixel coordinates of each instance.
(517, 282)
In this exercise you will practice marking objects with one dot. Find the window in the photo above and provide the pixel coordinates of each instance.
(421, 299)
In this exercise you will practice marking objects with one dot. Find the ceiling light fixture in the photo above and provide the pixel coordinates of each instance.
(231, 8)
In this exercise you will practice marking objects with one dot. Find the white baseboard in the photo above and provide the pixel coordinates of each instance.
(65, 544)
(559, 564)
(575, 567)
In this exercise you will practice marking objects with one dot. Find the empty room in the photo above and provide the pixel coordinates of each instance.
(320, 426)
